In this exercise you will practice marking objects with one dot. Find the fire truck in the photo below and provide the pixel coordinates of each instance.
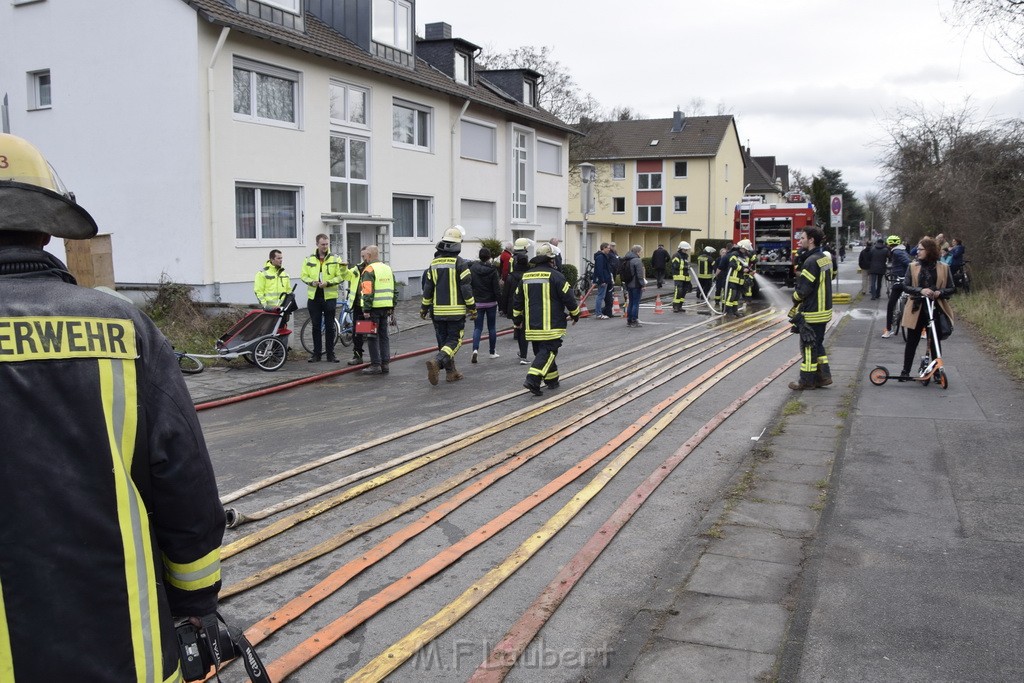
(774, 230)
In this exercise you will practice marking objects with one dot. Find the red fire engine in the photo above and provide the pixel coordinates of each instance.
(774, 230)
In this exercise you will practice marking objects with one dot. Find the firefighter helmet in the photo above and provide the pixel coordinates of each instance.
(522, 244)
(709, 250)
(684, 246)
(745, 245)
(32, 197)
(546, 250)
(893, 240)
(451, 241)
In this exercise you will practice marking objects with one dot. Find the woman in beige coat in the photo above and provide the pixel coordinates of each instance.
(927, 278)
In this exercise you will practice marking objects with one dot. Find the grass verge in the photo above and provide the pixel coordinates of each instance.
(998, 316)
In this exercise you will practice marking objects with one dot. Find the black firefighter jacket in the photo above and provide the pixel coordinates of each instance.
(109, 515)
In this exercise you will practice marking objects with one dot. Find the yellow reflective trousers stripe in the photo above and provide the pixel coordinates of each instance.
(119, 395)
(6, 659)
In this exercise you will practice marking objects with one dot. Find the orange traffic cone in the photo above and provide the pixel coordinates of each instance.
(616, 311)
(658, 310)
(584, 313)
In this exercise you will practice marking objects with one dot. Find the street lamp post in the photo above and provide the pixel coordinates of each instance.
(586, 199)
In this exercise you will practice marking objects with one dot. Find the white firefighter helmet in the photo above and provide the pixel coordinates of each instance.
(547, 250)
(451, 241)
(522, 244)
(32, 197)
(684, 246)
(709, 250)
(745, 245)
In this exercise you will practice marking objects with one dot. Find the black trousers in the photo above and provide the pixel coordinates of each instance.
(380, 344)
(449, 340)
(544, 366)
(321, 317)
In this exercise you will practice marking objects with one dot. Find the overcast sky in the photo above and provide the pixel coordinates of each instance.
(809, 81)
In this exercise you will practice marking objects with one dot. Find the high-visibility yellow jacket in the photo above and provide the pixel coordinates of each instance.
(377, 286)
(110, 521)
(541, 300)
(813, 292)
(271, 284)
(448, 289)
(331, 271)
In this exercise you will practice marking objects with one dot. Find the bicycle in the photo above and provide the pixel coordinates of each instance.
(897, 316)
(188, 364)
(344, 328)
(962, 278)
(586, 281)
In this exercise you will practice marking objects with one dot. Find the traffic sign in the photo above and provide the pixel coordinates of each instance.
(836, 206)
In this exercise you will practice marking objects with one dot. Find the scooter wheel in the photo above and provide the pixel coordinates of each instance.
(878, 376)
(942, 380)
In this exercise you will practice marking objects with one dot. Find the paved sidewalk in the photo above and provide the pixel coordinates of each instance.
(913, 571)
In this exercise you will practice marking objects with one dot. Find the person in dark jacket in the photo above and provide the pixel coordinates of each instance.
(604, 276)
(899, 261)
(448, 299)
(539, 307)
(926, 278)
(722, 271)
(659, 260)
(486, 291)
(879, 258)
(635, 287)
(520, 264)
(864, 266)
(110, 521)
(812, 310)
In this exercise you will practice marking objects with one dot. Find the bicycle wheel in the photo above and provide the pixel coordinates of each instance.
(306, 336)
(269, 354)
(878, 376)
(344, 329)
(189, 365)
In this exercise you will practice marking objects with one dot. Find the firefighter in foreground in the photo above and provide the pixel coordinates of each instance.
(538, 307)
(680, 269)
(448, 298)
(812, 310)
(110, 521)
(737, 271)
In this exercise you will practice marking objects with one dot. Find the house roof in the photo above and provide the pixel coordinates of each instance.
(321, 40)
(755, 177)
(701, 136)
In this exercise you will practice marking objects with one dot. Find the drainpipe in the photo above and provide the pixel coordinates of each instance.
(709, 196)
(451, 176)
(211, 139)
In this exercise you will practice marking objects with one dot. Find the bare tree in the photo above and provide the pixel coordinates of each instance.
(1001, 21)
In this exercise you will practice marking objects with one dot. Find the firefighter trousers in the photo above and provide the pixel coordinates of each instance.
(544, 366)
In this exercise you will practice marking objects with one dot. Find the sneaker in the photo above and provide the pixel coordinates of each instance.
(356, 360)
(523, 361)
(331, 358)
(887, 334)
(473, 359)
(494, 355)
(313, 359)
(602, 317)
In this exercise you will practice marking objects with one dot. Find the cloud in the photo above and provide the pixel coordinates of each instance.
(928, 75)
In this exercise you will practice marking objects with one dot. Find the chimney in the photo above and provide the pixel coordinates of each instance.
(438, 31)
(677, 121)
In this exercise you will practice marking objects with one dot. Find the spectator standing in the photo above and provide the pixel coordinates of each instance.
(356, 304)
(272, 282)
(613, 259)
(956, 258)
(681, 275)
(378, 294)
(879, 258)
(927, 278)
(899, 261)
(448, 299)
(812, 311)
(539, 307)
(520, 265)
(864, 266)
(557, 252)
(659, 261)
(322, 272)
(110, 520)
(486, 292)
(604, 276)
(842, 251)
(635, 286)
(505, 260)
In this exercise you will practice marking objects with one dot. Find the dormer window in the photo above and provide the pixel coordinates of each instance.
(392, 23)
(293, 6)
(461, 67)
(529, 92)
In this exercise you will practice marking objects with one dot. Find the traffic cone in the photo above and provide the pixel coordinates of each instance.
(584, 313)
(616, 311)
(658, 310)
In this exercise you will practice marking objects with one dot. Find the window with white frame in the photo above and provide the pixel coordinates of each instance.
(529, 92)
(522, 174)
(549, 157)
(293, 6)
(549, 218)
(411, 125)
(461, 67)
(618, 205)
(478, 141)
(619, 171)
(679, 204)
(266, 94)
(681, 168)
(350, 185)
(349, 104)
(648, 181)
(266, 213)
(478, 218)
(412, 216)
(39, 90)
(392, 23)
(648, 214)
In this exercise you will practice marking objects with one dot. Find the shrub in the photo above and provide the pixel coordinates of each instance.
(494, 246)
(571, 273)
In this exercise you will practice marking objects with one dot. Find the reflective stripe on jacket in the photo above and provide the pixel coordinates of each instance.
(377, 286)
(271, 284)
(681, 267)
(813, 290)
(330, 271)
(705, 267)
(540, 302)
(448, 287)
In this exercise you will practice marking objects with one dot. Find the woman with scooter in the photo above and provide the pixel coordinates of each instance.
(926, 278)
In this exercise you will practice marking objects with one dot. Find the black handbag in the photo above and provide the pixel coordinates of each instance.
(943, 324)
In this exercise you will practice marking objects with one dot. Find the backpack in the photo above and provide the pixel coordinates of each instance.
(626, 271)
